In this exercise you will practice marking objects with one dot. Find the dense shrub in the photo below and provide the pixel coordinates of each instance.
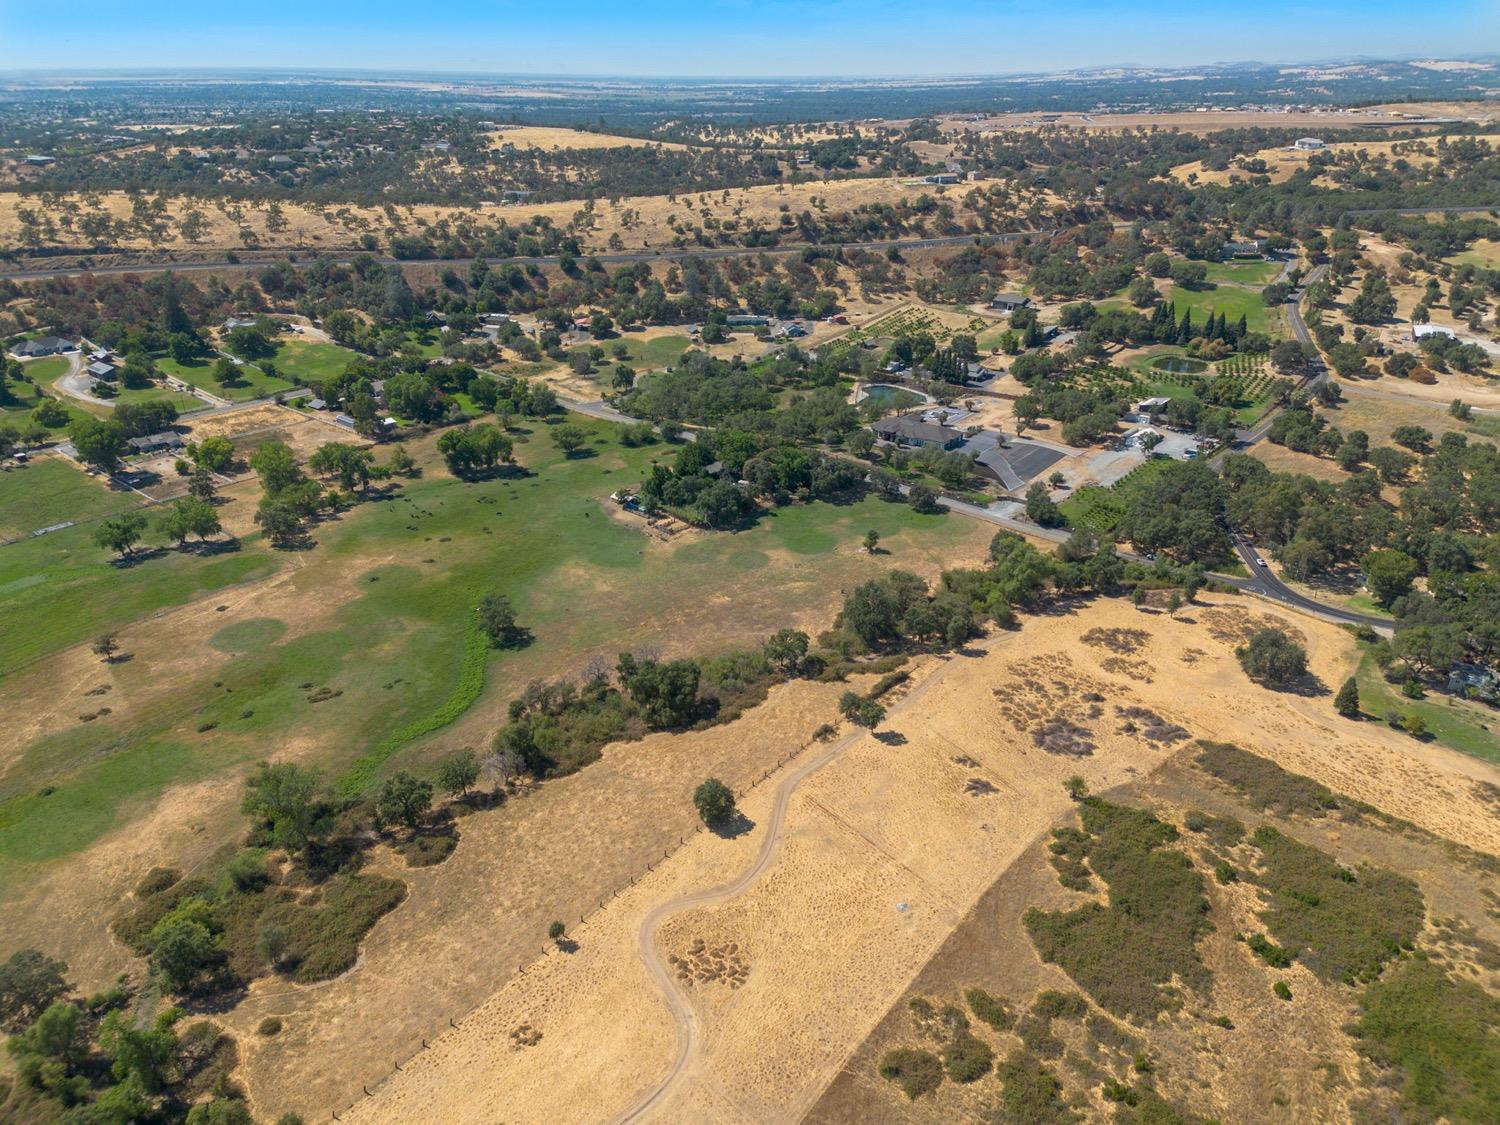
(1126, 954)
(917, 1072)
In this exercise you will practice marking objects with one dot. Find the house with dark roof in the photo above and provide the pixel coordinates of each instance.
(1009, 302)
(911, 430)
(45, 345)
(102, 370)
(156, 443)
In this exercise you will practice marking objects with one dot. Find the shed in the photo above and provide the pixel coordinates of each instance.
(102, 370)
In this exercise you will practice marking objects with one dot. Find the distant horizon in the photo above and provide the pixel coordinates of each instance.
(379, 72)
(771, 40)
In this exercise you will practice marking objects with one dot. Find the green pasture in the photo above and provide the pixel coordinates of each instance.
(365, 675)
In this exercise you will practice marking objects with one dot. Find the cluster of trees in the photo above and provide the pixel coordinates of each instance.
(104, 1060)
(1442, 527)
(469, 450)
(557, 727)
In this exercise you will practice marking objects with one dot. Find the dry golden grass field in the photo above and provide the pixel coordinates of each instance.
(549, 137)
(642, 222)
(1281, 163)
(884, 852)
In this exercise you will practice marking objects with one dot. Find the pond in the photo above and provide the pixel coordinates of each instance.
(1179, 365)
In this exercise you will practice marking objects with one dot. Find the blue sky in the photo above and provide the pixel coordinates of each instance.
(728, 37)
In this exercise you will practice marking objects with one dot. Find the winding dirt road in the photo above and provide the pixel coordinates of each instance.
(688, 1032)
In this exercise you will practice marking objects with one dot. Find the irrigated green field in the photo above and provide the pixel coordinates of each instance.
(252, 383)
(1231, 300)
(362, 645)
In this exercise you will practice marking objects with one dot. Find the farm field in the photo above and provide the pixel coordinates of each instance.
(1101, 509)
(884, 856)
(252, 383)
(377, 613)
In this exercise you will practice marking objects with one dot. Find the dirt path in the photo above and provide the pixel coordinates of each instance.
(688, 1037)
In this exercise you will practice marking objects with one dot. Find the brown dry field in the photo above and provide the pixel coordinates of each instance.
(548, 137)
(1280, 1062)
(885, 851)
(1282, 162)
(339, 226)
(1212, 121)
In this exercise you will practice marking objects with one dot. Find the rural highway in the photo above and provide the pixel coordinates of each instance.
(688, 1037)
(629, 257)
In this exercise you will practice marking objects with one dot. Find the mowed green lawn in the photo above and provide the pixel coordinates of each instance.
(1250, 272)
(651, 355)
(1456, 723)
(200, 373)
(390, 646)
(1231, 300)
(50, 490)
(304, 361)
(47, 368)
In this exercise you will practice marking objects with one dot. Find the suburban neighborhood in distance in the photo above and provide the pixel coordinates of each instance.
(656, 566)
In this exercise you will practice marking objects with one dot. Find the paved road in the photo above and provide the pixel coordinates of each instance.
(630, 257)
(1316, 371)
(688, 1036)
(1267, 585)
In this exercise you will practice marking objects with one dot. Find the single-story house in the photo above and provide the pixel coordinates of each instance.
(1307, 144)
(101, 370)
(1009, 302)
(496, 319)
(515, 195)
(239, 322)
(45, 345)
(746, 320)
(317, 404)
(910, 430)
(1420, 330)
(343, 420)
(39, 161)
(1142, 437)
(1250, 248)
(156, 443)
(793, 331)
(943, 178)
(1152, 405)
(282, 160)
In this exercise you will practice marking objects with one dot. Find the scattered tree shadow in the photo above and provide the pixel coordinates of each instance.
(567, 945)
(1309, 686)
(733, 827)
(890, 737)
(209, 548)
(137, 557)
